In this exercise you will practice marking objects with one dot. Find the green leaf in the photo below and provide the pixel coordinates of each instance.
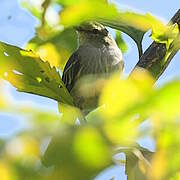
(163, 103)
(136, 34)
(166, 100)
(77, 152)
(84, 11)
(136, 25)
(120, 42)
(65, 43)
(166, 37)
(65, 3)
(28, 73)
(133, 24)
(137, 162)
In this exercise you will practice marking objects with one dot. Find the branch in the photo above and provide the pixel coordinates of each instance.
(156, 58)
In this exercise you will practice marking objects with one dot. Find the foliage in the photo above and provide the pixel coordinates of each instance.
(28, 73)
(82, 151)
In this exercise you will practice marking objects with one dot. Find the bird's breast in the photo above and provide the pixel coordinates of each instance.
(96, 64)
(97, 60)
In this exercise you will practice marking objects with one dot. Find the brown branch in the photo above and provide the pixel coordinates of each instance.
(154, 58)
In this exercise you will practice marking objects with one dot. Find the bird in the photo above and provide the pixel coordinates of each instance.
(97, 57)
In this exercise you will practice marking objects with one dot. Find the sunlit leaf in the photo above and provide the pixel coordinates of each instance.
(138, 21)
(167, 100)
(74, 2)
(163, 103)
(138, 162)
(69, 2)
(165, 35)
(86, 10)
(64, 43)
(91, 148)
(133, 24)
(95, 115)
(70, 114)
(6, 172)
(120, 42)
(136, 96)
(159, 164)
(175, 176)
(49, 53)
(136, 34)
(28, 73)
(82, 151)
(116, 132)
(129, 92)
(167, 157)
(65, 150)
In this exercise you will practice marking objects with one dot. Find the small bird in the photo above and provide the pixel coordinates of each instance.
(97, 56)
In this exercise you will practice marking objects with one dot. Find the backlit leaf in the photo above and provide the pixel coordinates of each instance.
(120, 42)
(6, 171)
(28, 73)
(128, 92)
(91, 148)
(64, 43)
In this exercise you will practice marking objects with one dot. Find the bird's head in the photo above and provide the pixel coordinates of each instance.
(92, 28)
(91, 31)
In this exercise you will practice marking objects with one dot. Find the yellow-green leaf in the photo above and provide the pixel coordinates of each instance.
(28, 73)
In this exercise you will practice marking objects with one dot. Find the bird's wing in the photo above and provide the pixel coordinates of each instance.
(71, 71)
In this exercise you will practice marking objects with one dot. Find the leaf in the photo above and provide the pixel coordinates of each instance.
(85, 11)
(136, 34)
(137, 162)
(163, 103)
(163, 34)
(6, 171)
(129, 92)
(137, 97)
(77, 152)
(133, 24)
(110, 17)
(120, 42)
(166, 161)
(65, 3)
(96, 154)
(28, 73)
(64, 44)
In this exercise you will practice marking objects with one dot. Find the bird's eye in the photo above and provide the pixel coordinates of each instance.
(95, 31)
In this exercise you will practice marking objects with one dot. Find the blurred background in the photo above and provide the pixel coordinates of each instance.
(18, 27)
